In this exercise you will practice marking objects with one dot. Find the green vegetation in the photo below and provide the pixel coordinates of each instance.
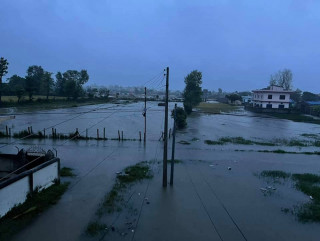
(184, 142)
(216, 108)
(66, 172)
(192, 92)
(237, 140)
(295, 117)
(95, 228)
(275, 174)
(307, 183)
(279, 151)
(181, 118)
(112, 200)
(310, 135)
(20, 216)
(275, 142)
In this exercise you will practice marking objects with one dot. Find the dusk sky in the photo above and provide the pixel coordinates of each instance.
(237, 44)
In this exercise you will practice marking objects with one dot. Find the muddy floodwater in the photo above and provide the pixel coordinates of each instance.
(208, 202)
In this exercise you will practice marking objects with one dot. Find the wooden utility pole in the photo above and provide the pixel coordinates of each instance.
(173, 144)
(145, 114)
(165, 147)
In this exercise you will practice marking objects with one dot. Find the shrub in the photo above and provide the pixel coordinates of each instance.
(181, 118)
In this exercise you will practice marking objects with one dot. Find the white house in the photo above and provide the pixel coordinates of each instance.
(273, 97)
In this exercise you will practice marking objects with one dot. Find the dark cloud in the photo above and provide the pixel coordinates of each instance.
(236, 44)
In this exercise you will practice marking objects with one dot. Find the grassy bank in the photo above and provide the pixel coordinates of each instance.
(295, 117)
(22, 215)
(307, 183)
(114, 200)
(216, 108)
(40, 102)
(274, 142)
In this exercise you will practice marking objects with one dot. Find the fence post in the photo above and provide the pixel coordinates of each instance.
(119, 135)
(104, 133)
(97, 134)
(44, 132)
(7, 131)
(122, 135)
(86, 133)
(139, 135)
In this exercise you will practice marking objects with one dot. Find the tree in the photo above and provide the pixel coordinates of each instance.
(17, 86)
(70, 83)
(181, 117)
(3, 71)
(282, 78)
(104, 92)
(47, 84)
(59, 84)
(33, 80)
(233, 97)
(192, 92)
(308, 96)
(296, 95)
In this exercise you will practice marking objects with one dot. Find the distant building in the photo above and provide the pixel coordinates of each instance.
(246, 99)
(273, 97)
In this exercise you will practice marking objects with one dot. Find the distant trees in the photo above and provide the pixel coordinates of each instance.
(308, 96)
(282, 78)
(17, 85)
(192, 91)
(33, 80)
(233, 97)
(181, 118)
(70, 83)
(47, 84)
(3, 71)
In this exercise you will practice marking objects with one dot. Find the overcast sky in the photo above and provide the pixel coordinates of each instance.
(236, 44)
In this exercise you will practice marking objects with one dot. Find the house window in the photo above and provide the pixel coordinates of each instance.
(269, 97)
(281, 106)
(269, 106)
(282, 97)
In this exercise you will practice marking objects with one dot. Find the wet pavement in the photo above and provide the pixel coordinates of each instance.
(207, 202)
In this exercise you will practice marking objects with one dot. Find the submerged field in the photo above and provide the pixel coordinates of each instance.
(214, 185)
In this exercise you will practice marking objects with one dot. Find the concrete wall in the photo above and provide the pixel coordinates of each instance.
(15, 192)
(44, 177)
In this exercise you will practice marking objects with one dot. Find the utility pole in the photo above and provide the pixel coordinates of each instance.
(165, 147)
(173, 144)
(145, 115)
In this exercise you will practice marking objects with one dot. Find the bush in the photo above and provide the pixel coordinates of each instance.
(181, 118)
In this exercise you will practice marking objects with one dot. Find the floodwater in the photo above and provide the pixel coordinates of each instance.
(96, 162)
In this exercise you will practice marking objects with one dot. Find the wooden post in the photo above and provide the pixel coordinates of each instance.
(52, 133)
(104, 133)
(97, 134)
(86, 133)
(7, 133)
(139, 135)
(119, 135)
(44, 132)
(122, 135)
(173, 144)
(145, 114)
(55, 132)
(165, 146)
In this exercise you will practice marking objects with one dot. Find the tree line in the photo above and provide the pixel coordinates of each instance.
(38, 81)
